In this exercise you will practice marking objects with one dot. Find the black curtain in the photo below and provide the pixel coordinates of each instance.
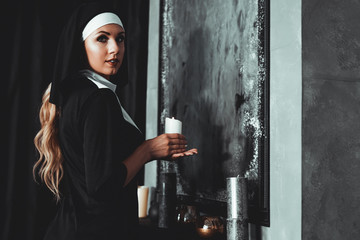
(30, 30)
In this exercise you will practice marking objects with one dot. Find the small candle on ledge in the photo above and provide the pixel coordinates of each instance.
(143, 192)
(173, 125)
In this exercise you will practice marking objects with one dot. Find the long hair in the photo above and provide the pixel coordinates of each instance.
(47, 143)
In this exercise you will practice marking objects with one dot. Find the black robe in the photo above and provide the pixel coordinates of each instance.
(95, 139)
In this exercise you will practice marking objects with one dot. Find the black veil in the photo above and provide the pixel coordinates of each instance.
(71, 56)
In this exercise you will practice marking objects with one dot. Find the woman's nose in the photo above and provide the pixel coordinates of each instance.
(113, 47)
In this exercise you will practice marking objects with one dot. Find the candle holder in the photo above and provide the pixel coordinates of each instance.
(167, 200)
(237, 212)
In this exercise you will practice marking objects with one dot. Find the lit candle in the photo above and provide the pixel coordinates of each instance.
(206, 232)
(143, 192)
(173, 125)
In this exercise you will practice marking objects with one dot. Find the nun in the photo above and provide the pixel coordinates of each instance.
(90, 150)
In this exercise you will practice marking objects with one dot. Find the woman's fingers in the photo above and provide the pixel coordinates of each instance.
(170, 146)
(175, 136)
(178, 150)
(177, 155)
(175, 147)
(191, 152)
(176, 139)
(177, 142)
(188, 153)
(194, 151)
(184, 153)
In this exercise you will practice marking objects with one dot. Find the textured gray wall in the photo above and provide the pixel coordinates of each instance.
(211, 84)
(331, 119)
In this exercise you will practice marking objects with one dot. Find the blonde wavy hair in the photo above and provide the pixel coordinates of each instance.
(47, 143)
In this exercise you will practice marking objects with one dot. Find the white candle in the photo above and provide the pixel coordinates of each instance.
(173, 125)
(143, 193)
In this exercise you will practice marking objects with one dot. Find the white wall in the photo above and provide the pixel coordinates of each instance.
(152, 86)
(285, 121)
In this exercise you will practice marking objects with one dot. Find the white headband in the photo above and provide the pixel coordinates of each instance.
(99, 21)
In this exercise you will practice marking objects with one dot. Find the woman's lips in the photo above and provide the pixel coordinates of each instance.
(112, 62)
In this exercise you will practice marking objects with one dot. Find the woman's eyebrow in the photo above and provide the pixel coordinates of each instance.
(107, 33)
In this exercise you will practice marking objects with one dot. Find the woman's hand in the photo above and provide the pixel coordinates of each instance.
(168, 147)
(187, 153)
(164, 147)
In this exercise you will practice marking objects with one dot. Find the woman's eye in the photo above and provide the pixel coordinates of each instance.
(102, 38)
(121, 38)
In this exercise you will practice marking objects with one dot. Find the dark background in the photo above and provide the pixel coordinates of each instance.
(29, 34)
(331, 119)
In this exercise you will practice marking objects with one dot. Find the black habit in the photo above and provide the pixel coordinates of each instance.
(95, 139)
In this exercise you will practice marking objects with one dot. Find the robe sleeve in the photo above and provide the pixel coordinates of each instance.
(102, 122)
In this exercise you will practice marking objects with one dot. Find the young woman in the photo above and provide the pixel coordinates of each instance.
(87, 141)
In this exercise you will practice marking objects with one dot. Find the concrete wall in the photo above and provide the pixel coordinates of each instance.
(331, 113)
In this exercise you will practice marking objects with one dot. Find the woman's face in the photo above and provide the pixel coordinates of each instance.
(105, 49)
